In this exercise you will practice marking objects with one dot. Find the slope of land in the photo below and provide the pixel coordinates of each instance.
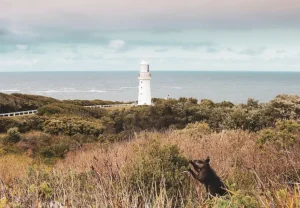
(135, 157)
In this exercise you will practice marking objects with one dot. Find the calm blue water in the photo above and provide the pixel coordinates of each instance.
(236, 87)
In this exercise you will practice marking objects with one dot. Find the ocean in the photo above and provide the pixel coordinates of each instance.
(236, 87)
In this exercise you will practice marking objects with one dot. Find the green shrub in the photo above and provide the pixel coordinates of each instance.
(91, 102)
(33, 141)
(23, 123)
(57, 150)
(45, 145)
(50, 110)
(285, 134)
(61, 148)
(238, 200)
(207, 103)
(244, 200)
(81, 138)
(241, 179)
(7, 123)
(286, 106)
(196, 130)
(237, 118)
(33, 122)
(13, 136)
(70, 109)
(159, 166)
(45, 191)
(217, 118)
(73, 125)
(47, 152)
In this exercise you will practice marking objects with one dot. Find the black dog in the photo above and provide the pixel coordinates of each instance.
(207, 176)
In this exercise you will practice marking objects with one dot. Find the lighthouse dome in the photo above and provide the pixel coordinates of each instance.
(144, 62)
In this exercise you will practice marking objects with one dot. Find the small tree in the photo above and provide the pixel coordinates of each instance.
(13, 135)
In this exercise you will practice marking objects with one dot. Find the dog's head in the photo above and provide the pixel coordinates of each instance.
(200, 165)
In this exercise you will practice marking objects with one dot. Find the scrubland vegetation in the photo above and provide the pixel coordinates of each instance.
(73, 156)
(22, 102)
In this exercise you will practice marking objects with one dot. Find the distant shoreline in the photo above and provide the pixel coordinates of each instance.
(113, 71)
(236, 87)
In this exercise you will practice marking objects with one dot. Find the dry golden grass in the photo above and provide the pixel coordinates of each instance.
(235, 156)
(229, 151)
(14, 166)
(119, 108)
(256, 176)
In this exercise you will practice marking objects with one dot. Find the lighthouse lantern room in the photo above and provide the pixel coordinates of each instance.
(144, 97)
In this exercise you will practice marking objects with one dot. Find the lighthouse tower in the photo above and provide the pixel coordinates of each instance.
(144, 97)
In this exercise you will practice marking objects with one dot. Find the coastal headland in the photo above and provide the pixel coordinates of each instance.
(69, 155)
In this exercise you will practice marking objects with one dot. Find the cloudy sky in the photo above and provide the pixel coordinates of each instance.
(94, 35)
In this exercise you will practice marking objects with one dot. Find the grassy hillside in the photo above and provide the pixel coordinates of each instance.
(21, 102)
(147, 168)
(135, 157)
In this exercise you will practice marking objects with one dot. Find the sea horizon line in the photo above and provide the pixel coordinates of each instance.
(240, 71)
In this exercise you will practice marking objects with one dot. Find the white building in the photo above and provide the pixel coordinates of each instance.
(144, 97)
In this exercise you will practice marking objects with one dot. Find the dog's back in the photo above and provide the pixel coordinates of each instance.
(207, 176)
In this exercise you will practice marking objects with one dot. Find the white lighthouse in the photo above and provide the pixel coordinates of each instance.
(144, 97)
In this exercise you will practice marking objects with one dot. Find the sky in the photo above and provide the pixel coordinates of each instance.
(115, 35)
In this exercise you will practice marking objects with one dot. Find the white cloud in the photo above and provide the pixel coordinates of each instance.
(275, 49)
(22, 47)
(19, 62)
(117, 44)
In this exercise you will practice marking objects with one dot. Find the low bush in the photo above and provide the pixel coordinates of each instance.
(73, 125)
(239, 199)
(71, 109)
(23, 123)
(33, 141)
(81, 138)
(91, 102)
(7, 123)
(284, 134)
(38, 145)
(13, 136)
(161, 166)
(196, 131)
(57, 150)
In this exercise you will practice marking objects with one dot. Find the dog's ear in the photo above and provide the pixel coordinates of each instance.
(207, 160)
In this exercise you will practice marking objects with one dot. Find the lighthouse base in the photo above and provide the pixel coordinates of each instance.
(144, 97)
